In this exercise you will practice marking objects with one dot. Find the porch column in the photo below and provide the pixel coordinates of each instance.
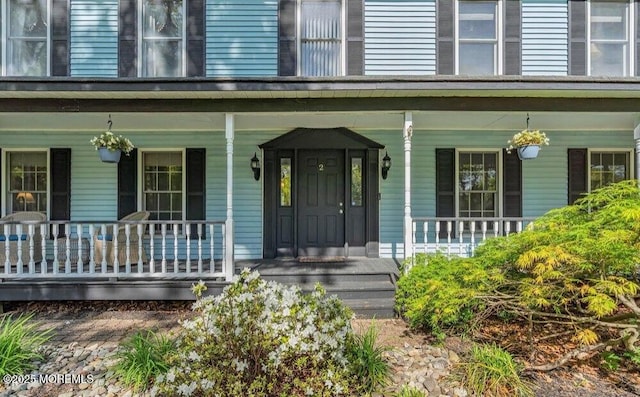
(407, 132)
(636, 137)
(229, 241)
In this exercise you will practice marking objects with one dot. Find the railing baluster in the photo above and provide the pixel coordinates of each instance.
(461, 238)
(152, 252)
(163, 233)
(140, 232)
(103, 232)
(413, 241)
(56, 260)
(199, 227)
(437, 235)
(519, 227)
(449, 230)
(67, 249)
(496, 228)
(425, 237)
(7, 250)
(188, 262)
(507, 227)
(92, 258)
(116, 246)
(19, 245)
(43, 246)
(79, 263)
(176, 264)
(472, 228)
(127, 248)
(32, 249)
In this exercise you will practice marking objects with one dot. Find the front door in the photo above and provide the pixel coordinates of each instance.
(321, 201)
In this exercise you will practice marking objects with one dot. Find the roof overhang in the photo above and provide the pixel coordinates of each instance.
(364, 93)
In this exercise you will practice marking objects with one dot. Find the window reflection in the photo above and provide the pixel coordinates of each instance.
(162, 38)
(356, 181)
(27, 38)
(285, 182)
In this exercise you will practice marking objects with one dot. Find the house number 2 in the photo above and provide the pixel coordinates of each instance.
(320, 167)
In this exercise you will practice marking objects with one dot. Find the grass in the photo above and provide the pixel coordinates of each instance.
(367, 360)
(492, 372)
(20, 340)
(142, 358)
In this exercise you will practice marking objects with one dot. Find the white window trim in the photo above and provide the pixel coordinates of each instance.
(140, 21)
(609, 150)
(343, 40)
(5, 169)
(630, 65)
(140, 182)
(4, 36)
(498, 66)
(500, 177)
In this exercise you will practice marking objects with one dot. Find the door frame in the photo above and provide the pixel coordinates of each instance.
(280, 222)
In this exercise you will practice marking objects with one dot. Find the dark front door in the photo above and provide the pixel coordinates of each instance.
(321, 200)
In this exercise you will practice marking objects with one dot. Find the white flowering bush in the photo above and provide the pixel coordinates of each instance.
(262, 338)
(112, 142)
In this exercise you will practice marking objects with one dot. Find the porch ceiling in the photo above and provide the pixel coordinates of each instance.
(48, 122)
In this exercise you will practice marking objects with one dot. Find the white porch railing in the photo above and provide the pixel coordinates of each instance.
(460, 236)
(125, 249)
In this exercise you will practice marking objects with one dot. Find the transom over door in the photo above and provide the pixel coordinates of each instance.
(321, 201)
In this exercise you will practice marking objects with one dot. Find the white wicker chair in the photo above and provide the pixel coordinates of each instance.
(25, 240)
(104, 244)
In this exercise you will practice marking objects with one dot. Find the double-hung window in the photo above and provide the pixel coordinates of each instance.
(25, 37)
(478, 184)
(606, 167)
(27, 176)
(609, 33)
(478, 37)
(163, 45)
(163, 184)
(321, 38)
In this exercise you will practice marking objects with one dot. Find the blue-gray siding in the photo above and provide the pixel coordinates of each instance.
(545, 37)
(242, 38)
(400, 37)
(94, 38)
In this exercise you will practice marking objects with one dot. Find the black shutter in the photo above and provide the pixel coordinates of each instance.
(577, 37)
(60, 38)
(577, 174)
(287, 43)
(445, 186)
(445, 42)
(127, 39)
(196, 187)
(513, 37)
(355, 37)
(637, 44)
(1, 230)
(512, 186)
(195, 38)
(127, 184)
(60, 202)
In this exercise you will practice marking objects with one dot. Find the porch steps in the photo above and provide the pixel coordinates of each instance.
(368, 295)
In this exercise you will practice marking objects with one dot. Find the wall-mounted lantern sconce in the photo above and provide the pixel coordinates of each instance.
(386, 164)
(255, 167)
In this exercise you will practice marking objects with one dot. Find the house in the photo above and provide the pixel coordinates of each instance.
(303, 128)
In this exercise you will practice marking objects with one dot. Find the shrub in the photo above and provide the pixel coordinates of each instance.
(142, 358)
(492, 372)
(440, 293)
(409, 391)
(367, 361)
(262, 338)
(20, 341)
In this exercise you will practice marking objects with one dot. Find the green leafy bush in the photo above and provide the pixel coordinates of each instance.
(20, 341)
(142, 358)
(440, 293)
(367, 361)
(491, 371)
(262, 338)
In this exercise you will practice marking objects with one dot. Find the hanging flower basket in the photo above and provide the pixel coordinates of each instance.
(109, 156)
(111, 146)
(528, 152)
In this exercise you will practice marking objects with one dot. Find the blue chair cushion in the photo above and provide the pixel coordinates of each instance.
(108, 237)
(13, 237)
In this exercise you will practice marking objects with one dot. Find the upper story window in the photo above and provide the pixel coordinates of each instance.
(609, 33)
(478, 38)
(321, 38)
(25, 33)
(27, 181)
(163, 46)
